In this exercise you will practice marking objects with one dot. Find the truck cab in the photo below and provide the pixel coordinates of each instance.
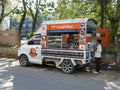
(62, 43)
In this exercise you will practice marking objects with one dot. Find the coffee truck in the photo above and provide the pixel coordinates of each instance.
(49, 44)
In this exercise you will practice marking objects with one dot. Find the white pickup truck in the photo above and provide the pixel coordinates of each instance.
(49, 44)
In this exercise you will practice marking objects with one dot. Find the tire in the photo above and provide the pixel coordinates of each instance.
(23, 60)
(67, 66)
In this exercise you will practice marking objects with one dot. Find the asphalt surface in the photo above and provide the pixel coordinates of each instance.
(36, 77)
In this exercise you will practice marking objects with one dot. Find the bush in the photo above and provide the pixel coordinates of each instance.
(5, 45)
(112, 52)
(103, 50)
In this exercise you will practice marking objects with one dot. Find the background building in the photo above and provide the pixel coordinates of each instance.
(6, 23)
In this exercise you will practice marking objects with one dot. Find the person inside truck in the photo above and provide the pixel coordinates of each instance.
(71, 41)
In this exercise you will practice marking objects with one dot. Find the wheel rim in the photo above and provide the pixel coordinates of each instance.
(23, 60)
(67, 66)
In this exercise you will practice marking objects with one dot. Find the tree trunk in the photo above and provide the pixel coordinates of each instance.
(113, 34)
(102, 13)
(2, 11)
(22, 21)
(35, 18)
(0, 21)
(118, 10)
(33, 27)
(34, 22)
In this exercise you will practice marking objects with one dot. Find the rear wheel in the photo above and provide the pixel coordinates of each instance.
(67, 66)
(23, 60)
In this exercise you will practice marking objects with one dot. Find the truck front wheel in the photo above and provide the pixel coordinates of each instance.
(23, 60)
(67, 66)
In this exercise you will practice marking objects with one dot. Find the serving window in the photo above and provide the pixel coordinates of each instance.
(54, 41)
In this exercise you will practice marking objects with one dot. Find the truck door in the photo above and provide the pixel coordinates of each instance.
(34, 49)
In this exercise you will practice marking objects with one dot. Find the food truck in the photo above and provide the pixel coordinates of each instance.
(50, 45)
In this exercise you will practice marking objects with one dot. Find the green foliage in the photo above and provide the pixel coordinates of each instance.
(103, 50)
(112, 52)
(38, 8)
(18, 11)
(5, 45)
(75, 9)
(6, 9)
(68, 9)
(30, 34)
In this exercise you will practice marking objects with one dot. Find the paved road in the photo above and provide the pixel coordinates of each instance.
(35, 77)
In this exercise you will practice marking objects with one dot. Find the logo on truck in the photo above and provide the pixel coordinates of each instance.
(33, 53)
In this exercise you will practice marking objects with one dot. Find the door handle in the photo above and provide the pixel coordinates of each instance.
(37, 47)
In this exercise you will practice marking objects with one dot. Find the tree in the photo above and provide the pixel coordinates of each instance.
(75, 9)
(106, 12)
(33, 13)
(113, 15)
(37, 7)
(4, 12)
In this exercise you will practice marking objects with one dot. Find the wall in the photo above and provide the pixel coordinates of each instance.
(9, 37)
(103, 34)
(8, 52)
